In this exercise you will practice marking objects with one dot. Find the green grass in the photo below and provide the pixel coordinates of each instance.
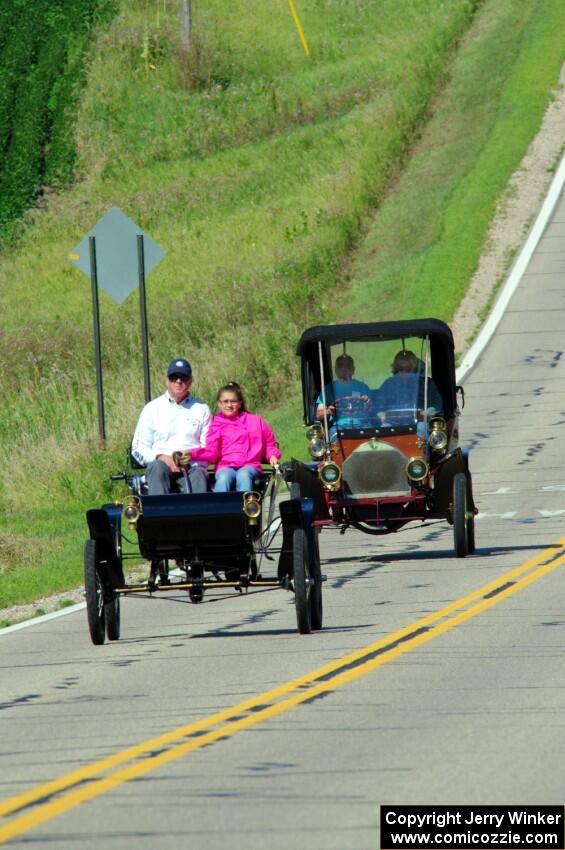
(285, 191)
(424, 244)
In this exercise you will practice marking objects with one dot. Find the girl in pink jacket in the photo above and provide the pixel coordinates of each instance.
(237, 442)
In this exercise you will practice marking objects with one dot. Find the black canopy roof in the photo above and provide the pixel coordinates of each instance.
(374, 331)
(441, 348)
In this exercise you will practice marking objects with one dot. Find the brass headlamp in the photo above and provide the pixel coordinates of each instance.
(252, 506)
(133, 511)
(329, 474)
(417, 469)
(316, 445)
(437, 439)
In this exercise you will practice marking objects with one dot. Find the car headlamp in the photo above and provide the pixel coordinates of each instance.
(417, 469)
(317, 448)
(437, 439)
(252, 506)
(316, 443)
(330, 475)
(314, 430)
(132, 511)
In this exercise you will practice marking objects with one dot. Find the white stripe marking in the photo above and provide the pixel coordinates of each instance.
(35, 621)
(515, 275)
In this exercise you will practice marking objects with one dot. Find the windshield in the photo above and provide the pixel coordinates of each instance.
(380, 384)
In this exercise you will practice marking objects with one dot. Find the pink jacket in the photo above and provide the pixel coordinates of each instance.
(244, 441)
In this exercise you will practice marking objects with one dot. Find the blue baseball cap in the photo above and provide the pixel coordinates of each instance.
(180, 366)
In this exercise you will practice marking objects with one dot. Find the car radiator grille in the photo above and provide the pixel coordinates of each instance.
(374, 469)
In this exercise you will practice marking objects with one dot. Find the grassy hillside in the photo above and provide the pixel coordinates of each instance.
(285, 191)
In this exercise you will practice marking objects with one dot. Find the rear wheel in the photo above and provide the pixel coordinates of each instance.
(459, 513)
(112, 617)
(94, 593)
(316, 610)
(301, 581)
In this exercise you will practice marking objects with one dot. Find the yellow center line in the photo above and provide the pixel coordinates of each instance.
(88, 782)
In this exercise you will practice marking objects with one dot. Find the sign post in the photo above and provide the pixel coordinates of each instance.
(97, 347)
(117, 255)
(143, 316)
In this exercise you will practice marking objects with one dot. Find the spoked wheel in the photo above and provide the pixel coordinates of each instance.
(94, 592)
(112, 617)
(301, 580)
(459, 512)
(316, 611)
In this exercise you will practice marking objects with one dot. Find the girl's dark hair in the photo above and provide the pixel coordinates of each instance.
(233, 387)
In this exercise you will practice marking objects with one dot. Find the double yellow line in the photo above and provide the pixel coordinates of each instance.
(46, 801)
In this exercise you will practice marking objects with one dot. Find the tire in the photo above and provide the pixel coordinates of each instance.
(459, 513)
(112, 617)
(470, 518)
(196, 594)
(471, 535)
(316, 608)
(94, 593)
(301, 580)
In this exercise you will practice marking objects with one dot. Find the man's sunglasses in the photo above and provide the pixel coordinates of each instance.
(174, 378)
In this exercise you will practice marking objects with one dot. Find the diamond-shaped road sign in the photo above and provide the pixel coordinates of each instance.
(116, 254)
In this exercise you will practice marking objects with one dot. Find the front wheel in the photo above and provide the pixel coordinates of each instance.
(470, 534)
(94, 593)
(459, 512)
(316, 610)
(301, 580)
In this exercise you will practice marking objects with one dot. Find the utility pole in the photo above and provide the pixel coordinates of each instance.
(185, 21)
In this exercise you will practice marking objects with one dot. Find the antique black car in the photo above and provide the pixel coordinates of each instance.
(381, 406)
(201, 545)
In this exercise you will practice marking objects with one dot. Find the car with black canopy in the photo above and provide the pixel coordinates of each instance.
(382, 408)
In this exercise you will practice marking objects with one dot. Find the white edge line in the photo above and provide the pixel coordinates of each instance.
(515, 275)
(68, 609)
(35, 621)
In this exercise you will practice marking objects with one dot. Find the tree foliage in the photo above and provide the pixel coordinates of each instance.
(43, 46)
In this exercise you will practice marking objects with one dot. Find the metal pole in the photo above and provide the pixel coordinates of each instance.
(96, 328)
(185, 21)
(323, 387)
(143, 311)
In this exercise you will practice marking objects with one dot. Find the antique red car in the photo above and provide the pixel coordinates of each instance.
(381, 406)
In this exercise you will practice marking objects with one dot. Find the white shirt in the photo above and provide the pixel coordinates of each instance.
(165, 427)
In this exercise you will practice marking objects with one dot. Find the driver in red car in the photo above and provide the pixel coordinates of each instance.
(354, 394)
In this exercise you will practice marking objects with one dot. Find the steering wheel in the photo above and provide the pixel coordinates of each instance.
(352, 405)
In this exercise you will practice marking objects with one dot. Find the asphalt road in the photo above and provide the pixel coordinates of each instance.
(443, 683)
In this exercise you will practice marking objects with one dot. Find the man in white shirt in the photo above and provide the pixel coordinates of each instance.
(175, 421)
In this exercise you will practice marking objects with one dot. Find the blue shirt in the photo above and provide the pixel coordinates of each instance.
(340, 389)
